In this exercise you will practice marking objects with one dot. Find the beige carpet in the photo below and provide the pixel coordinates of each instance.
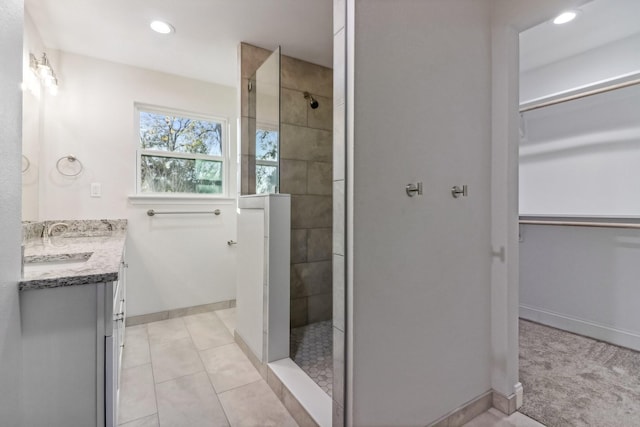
(570, 380)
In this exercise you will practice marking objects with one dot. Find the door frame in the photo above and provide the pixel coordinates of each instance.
(510, 18)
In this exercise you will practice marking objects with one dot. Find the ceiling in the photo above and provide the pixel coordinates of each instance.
(204, 45)
(599, 22)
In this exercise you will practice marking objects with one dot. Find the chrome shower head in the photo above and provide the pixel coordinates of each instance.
(313, 103)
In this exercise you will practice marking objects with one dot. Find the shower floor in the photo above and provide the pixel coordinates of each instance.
(312, 350)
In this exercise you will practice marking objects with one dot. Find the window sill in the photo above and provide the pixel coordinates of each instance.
(179, 199)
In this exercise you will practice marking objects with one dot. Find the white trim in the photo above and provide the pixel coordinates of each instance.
(311, 397)
(587, 328)
(519, 395)
(180, 155)
(267, 162)
(178, 199)
(176, 111)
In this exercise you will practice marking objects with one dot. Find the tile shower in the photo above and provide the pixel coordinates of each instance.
(306, 172)
(312, 350)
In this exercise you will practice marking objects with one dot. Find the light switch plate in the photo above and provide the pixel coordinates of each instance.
(96, 189)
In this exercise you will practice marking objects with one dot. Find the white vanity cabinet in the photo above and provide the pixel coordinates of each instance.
(114, 345)
(72, 340)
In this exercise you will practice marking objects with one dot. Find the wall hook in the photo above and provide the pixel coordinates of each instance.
(412, 189)
(456, 191)
(501, 255)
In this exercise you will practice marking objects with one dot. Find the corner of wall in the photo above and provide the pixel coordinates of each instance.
(11, 51)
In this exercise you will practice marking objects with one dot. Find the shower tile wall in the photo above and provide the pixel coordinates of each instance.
(306, 172)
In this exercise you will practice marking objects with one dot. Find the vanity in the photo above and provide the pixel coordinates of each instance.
(72, 308)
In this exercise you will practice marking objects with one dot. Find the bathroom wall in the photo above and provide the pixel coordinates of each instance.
(419, 280)
(305, 173)
(31, 121)
(419, 268)
(174, 261)
(11, 19)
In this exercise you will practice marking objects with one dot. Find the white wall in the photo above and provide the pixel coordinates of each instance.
(11, 18)
(251, 279)
(581, 157)
(263, 285)
(393, 324)
(31, 121)
(583, 280)
(605, 62)
(420, 310)
(174, 261)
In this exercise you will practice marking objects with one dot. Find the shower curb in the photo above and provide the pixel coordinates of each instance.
(284, 394)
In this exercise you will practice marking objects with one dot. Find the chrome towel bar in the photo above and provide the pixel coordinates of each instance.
(151, 212)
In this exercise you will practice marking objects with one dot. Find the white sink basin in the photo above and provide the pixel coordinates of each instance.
(50, 263)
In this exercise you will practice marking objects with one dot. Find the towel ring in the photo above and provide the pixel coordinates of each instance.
(28, 163)
(71, 159)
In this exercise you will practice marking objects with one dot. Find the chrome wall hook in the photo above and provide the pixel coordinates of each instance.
(456, 191)
(412, 189)
(501, 254)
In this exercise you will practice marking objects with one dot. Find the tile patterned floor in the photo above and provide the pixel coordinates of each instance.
(312, 349)
(189, 372)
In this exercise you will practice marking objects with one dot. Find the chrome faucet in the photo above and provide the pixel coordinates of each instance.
(56, 226)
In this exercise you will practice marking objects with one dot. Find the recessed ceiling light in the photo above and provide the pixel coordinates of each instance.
(161, 27)
(565, 17)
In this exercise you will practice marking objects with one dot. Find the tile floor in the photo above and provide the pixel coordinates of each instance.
(189, 372)
(312, 350)
(495, 418)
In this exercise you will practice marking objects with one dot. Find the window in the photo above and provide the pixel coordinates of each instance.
(180, 153)
(266, 160)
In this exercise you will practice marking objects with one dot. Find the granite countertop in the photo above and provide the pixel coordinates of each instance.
(93, 248)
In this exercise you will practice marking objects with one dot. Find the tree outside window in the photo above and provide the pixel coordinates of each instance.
(266, 161)
(180, 154)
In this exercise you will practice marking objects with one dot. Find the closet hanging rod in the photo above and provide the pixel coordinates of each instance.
(585, 94)
(582, 224)
(151, 212)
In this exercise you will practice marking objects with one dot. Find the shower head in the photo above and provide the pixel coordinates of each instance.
(313, 103)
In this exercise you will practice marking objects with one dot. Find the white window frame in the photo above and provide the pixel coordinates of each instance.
(223, 158)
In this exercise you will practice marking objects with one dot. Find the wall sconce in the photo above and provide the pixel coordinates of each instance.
(42, 68)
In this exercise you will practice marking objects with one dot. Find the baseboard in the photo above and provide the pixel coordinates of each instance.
(594, 330)
(307, 403)
(466, 412)
(257, 363)
(508, 404)
(179, 312)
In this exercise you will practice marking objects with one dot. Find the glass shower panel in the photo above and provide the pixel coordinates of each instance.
(267, 125)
